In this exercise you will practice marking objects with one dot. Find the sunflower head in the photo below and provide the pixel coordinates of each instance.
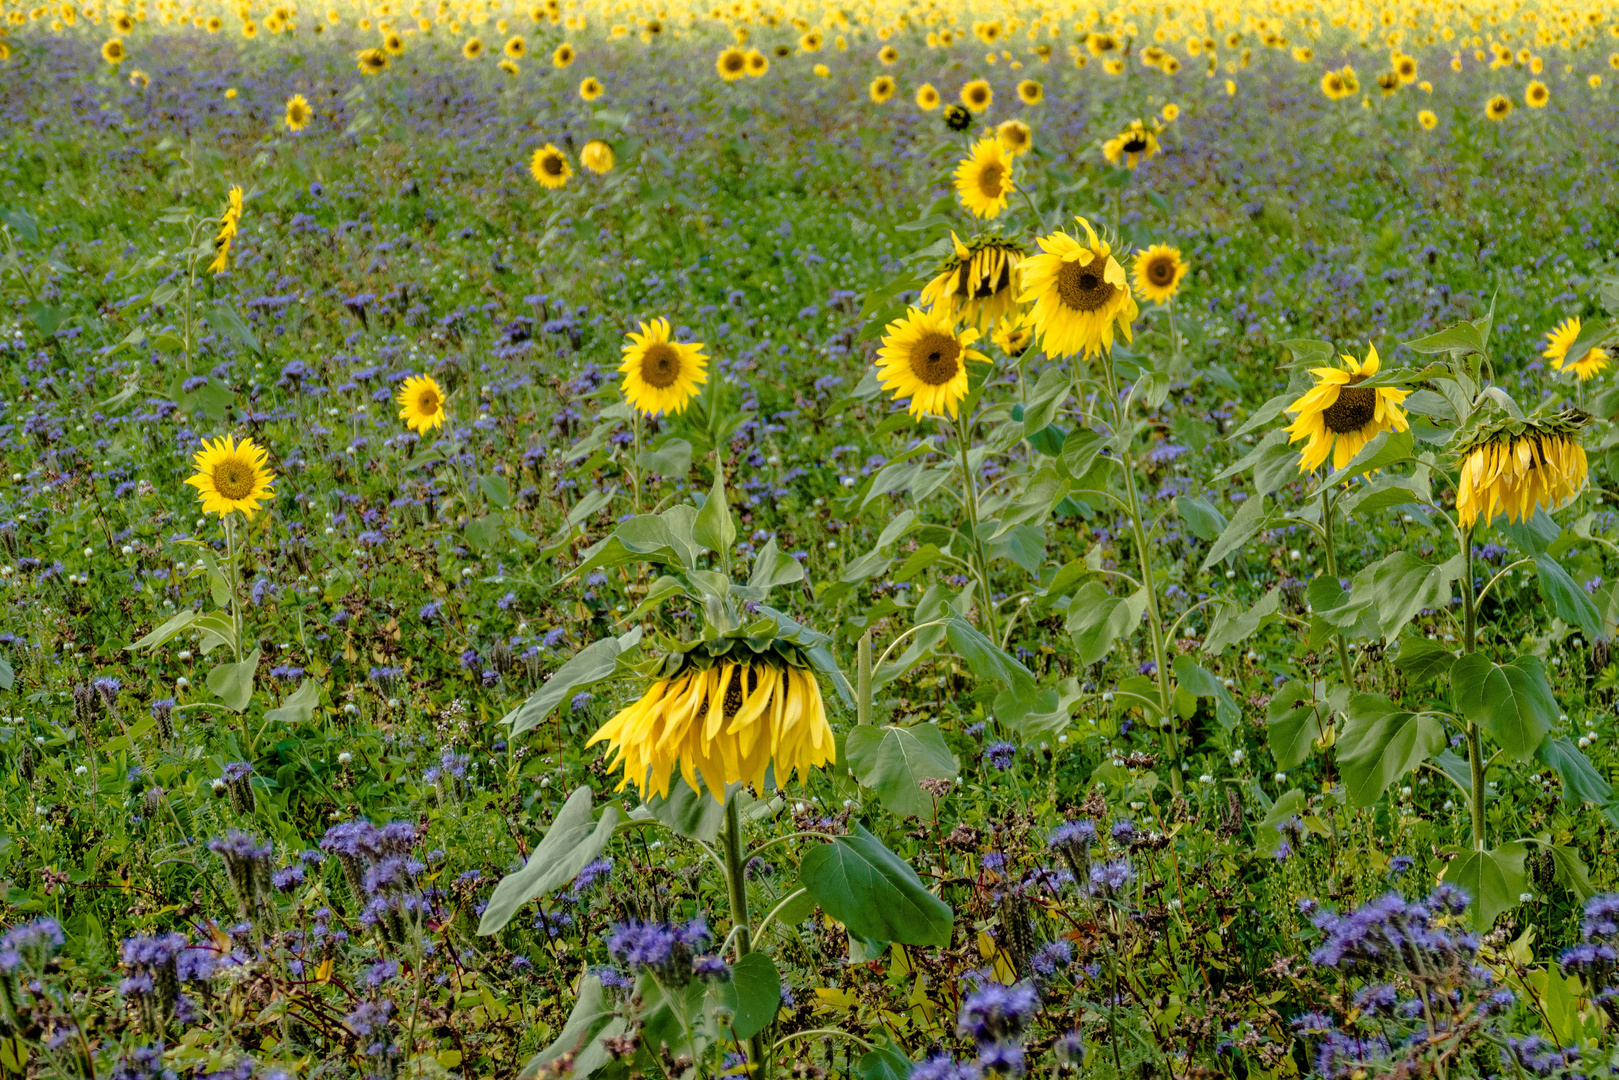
(732, 64)
(113, 52)
(591, 89)
(978, 284)
(1498, 107)
(421, 403)
(924, 357)
(927, 98)
(1080, 294)
(473, 48)
(1015, 136)
(957, 117)
(1158, 273)
(562, 56)
(1338, 416)
(882, 88)
(977, 95)
(598, 157)
(984, 178)
(231, 476)
(298, 112)
(371, 61)
(1030, 92)
(1516, 467)
(1133, 145)
(661, 375)
(1560, 339)
(550, 167)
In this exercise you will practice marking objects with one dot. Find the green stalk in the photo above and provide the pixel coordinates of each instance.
(1475, 741)
(1344, 666)
(971, 491)
(738, 886)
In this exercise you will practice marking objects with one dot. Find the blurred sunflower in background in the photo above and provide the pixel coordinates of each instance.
(1338, 416)
(978, 284)
(1515, 467)
(1015, 136)
(882, 89)
(977, 95)
(1132, 146)
(661, 375)
(1498, 108)
(1560, 339)
(732, 64)
(1013, 336)
(923, 357)
(515, 48)
(371, 61)
(1536, 95)
(421, 403)
(231, 476)
(591, 89)
(1030, 92)
(984, 178)
(927, 98)
(550, 167)
(562, 56)
(1158, 273)
(472, 49)
(298, 113)
(112, 52)
(1079, 292)
(598, 157)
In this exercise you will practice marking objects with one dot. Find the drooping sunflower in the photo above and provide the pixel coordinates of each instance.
(719, 725)
(421, 403)
(1132, 146)
(923, 357)
(1560, 339)
(977, 95)
(1080, 294)
(660, 375)
(598, 157)
(1015, 136)
(1515, 467)
(927, 98)
(232, 476)
(590, 89)
(882, 89)
(1158, 273)
(978, 285)
(732, 64)
(1339, 417)
(229, 219)
(984, 178)
(298, 112)
(1498, 108)
(550, 167)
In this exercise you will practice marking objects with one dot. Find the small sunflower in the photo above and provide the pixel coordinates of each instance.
(1498, 108)
(1516, 467)
(887, 55)
(1339, 417)
(112, 51)
(1158, 275)
(927, 98)
(660, 375)
(550, 167)
(882, 89)
(298, 113)
(1170, 112)
(1015, 136)
(1535, 95)
(732, 64)
(1560, 339)
(758, 64)
(1427, 119)
(421, 403)
(977, 95)
(984, 178)
(473, 48)
(598, 157)
(978, 285)
(591, 89)
(139, 79)
(232, 476)
(515, 48)
(371, 61)
(1132, 146)
(924, 358)
(1080, 294)
(509, 67)
(393, 44)
(1013, 336)
(563, 56)
(957, 117)
(1030, 92)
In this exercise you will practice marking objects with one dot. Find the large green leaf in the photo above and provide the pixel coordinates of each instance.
(574, 839)
(1232, 625)
(1202, 519)
(298, 707)
(1421, 660)
(1294, 720)
(591, 664)
(1403, 585)
(874, 892)
(1513, 702)
(1494, 879)
(649, 538)
(586, 1023)
(1199, 681)
(715, 528)
(886, 1062)
(165, 632)
(1381, 743)
(695, 814)
(753, 995)
(1249, 519)
(893, 761)
(1581, 781)
(232, 684)
(1569, 602)
(1097, 619)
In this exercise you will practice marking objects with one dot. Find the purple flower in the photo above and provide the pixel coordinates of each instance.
(1109, 880)
(1074, 838)
(1001, 1059)
(711, 969)
(1000, 755)
(994, 1013)
(945, 1067)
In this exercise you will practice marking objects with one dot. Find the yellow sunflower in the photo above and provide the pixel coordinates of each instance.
(298, 112)
(1015, 136)
(1013, 336)
(978, 285)
(112, 52)
(515, 48)
(1558, 342)
(1132, 146)
(977, 95)
(229, 219)
(758, 64)
(732, 64)
(660, 375)
(139, 80)
(1159, 270)
(591, 89)
(563, 56)
(1536, 95)
(1427, 119)
(1521, 467)
(1030, 92)
(927, 98)
(984, 178)
(550, 167)
(1339, 417)
(923, 357)
(472, 49)
(1080, 294)
(1498, 108)
(598, 157)
(371, 61)
(1169, 112)
(882, 88)
(232, 476)
(720, 725)
(421, 403)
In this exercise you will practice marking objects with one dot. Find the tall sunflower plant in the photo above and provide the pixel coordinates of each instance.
(714, 729)
(1453, 455)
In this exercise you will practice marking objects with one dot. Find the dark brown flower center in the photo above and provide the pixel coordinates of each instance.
(1135, 144)
(427, 402)
(735, 694)
(1161, 271)
(552, 164)
(660, 365)
(935, 358)
(735, 62)
(233, 478)
(1353, 410)
(989, 179)
(1084, 286)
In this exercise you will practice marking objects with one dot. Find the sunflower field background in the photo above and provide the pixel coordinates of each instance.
(891, 540)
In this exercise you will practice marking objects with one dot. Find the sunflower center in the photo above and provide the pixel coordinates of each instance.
(936, 358)
(1161, 272)
(660, 365)
(1084, 287)
(427, 402)
(1135, 144)
(989, 179)
(1353, 410)
(734, 62)
(552, 164)
(233, 478)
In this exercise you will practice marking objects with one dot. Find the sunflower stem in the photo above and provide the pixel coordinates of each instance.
(736, 882)
(635, 459)
(1475, 742)
(972, 520)
(1327, 508)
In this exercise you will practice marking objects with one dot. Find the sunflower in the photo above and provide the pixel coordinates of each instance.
(1405, 69)
(232, 476)
(298, 112)
(882, 88)
(515, 48)
(1339, 417)
(924, 358)
(661, 376)
(977, 95)
(1101, 44)
(112, 51)
(563, 56)
(978, 285)
(1132, 146)
(1159, 270)
(1015, 136)
(550, 167)
(508, 66)
(1517, 467)
(887, 55)
(732, 64)
(393, 44)
(1535, 95)
(821, 71)
(1427, 119)
(1013, 336)
(927, 98)
(139, 80)
(811, 41)
(758, 63)
(719, 725)
(984, 178)
(1030, 92)
(1080, 293)
(1498, 107)
(229, 219)
(1558, 342)
(598, 157)
(472, 49)
(421, 404)
(957, 117)
(591, 89)
(1169, 112)
(371, 61)
(1332, 85)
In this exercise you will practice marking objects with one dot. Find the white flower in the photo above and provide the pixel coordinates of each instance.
(1525, 897)
(344, 758)
(181, 683)
(81, 770)
(1237, 755)
(1206, 778)
(1281, 778)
